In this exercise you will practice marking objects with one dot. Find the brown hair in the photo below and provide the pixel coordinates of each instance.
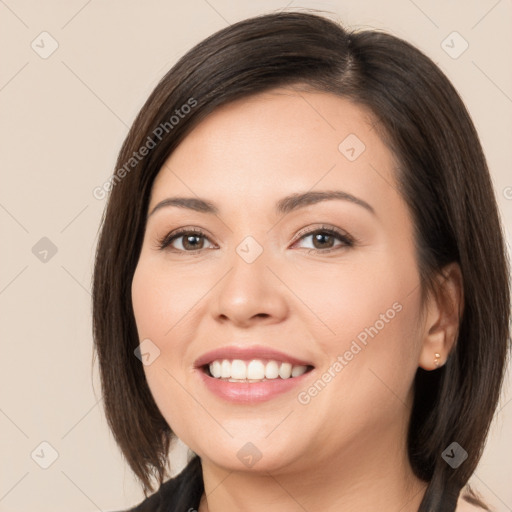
(442, 175)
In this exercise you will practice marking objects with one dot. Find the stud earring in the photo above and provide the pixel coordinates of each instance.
(436, 360)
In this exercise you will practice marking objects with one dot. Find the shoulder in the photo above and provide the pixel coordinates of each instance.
(178, 494)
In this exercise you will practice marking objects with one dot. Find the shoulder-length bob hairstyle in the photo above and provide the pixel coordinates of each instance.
(443, 177)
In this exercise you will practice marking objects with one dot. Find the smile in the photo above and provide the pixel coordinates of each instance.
(255, 370)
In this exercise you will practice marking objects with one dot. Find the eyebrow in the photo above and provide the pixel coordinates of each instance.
(283, 206)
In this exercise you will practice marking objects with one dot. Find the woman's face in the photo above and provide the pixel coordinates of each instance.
(262, 274)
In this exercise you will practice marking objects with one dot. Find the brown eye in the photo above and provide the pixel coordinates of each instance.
(323, 239)
(191, 240)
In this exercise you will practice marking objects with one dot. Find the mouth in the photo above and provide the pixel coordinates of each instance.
(254, 370)
(251, 374)
(252, 381)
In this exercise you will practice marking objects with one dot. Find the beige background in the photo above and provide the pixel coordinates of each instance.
(63, 120)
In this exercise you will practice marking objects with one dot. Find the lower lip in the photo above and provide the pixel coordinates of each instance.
(251, 392)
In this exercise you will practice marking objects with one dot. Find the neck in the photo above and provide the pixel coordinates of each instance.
(368, 476)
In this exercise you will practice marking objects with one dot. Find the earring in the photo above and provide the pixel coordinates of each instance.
(436, 360)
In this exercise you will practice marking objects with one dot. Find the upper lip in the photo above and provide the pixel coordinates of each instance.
(247, 353)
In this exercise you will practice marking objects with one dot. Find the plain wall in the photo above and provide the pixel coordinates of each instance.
(64, 117)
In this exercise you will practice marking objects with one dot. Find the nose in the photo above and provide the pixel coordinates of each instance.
(250, 293)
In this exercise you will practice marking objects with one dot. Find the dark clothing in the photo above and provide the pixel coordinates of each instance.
(179, 494)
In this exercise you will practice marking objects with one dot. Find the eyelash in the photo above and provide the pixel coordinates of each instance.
(347, 240)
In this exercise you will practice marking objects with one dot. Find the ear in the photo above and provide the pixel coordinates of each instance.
(444, 310)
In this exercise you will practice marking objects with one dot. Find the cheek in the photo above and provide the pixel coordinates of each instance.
(367, 316)
(162, 299)
(347, 299)
(370, 362)
(159, 301)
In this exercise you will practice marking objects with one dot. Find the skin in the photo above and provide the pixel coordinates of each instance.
(345, 449)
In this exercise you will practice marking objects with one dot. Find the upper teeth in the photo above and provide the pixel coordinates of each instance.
(254, 370)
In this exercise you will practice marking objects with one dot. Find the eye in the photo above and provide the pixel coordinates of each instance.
(324, 237)
(191, 240)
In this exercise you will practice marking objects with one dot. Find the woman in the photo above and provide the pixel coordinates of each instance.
(301, 274)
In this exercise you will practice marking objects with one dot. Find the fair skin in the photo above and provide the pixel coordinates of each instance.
(345, 449)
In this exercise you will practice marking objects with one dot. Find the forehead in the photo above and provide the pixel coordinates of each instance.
(277, 142)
